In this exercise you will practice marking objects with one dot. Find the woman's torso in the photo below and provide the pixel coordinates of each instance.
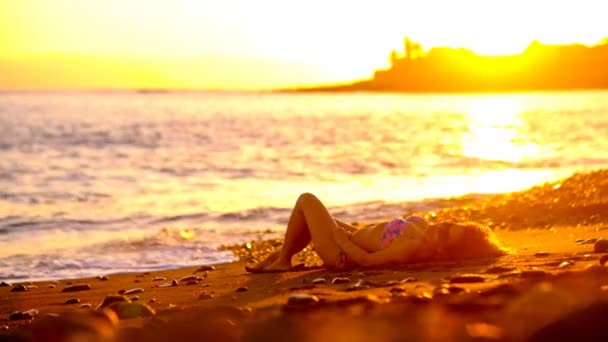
(379, 236)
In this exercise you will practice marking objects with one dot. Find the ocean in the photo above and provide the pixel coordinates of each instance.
(96, 183)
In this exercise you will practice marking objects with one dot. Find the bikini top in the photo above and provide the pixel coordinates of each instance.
(396, 227)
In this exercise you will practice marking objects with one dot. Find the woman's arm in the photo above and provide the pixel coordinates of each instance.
(399, 251)
(349, 228)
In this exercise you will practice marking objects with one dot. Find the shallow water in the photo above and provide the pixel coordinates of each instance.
(99, 182)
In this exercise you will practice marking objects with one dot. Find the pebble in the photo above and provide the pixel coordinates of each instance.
(133, 291)
(408, 280)
(170, 284)
(603, 259)
(319, 281)
(5, 327)
(52, 286)
(152, 300)
(541, 254)
(601, 246)
(340, 280)
(174, 282)
(77, 287)
(467, 279)
(121, 291)
(396, 290)
(86, 306)
(111, 299)
(134, 298)
(159, 278)
(72, 301)
(103, 278)
(205, 268)
(17, 315)
(205, 296)
(188, 278)
(19, 288)
(359, 285)
(301, 300)
(192, 282)
(565, 264)
(125, 310)
(242, 289)
(3, 284)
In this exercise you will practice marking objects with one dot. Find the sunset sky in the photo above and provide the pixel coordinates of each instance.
(243, 44)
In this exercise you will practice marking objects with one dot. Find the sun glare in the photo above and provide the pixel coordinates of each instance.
(496, 131)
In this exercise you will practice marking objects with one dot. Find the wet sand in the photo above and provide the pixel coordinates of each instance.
(553, 286)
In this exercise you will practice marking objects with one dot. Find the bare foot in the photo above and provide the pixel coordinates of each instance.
(270, 259)
(279, 266)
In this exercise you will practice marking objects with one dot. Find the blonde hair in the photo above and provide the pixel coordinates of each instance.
(464, 241)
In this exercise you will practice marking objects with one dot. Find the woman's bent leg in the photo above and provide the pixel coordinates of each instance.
(309, 220)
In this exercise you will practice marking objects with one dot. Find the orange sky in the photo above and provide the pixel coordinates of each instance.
(245, 44)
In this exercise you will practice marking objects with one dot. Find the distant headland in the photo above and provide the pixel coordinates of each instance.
(443, 69)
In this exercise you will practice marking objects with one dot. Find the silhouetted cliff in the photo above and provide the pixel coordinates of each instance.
(539, 67)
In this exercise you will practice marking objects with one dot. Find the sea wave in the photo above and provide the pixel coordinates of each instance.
(164, 249)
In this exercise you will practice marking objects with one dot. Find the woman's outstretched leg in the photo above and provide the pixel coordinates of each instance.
(309, 220)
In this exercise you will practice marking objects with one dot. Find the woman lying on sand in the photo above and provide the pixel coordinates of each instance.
(408, 240)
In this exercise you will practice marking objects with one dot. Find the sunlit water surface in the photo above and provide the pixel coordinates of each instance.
(94, 183)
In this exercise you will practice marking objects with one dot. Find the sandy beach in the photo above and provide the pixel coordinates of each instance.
(553, 286)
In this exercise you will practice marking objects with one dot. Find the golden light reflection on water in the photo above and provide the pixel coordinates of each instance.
(496, 131)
